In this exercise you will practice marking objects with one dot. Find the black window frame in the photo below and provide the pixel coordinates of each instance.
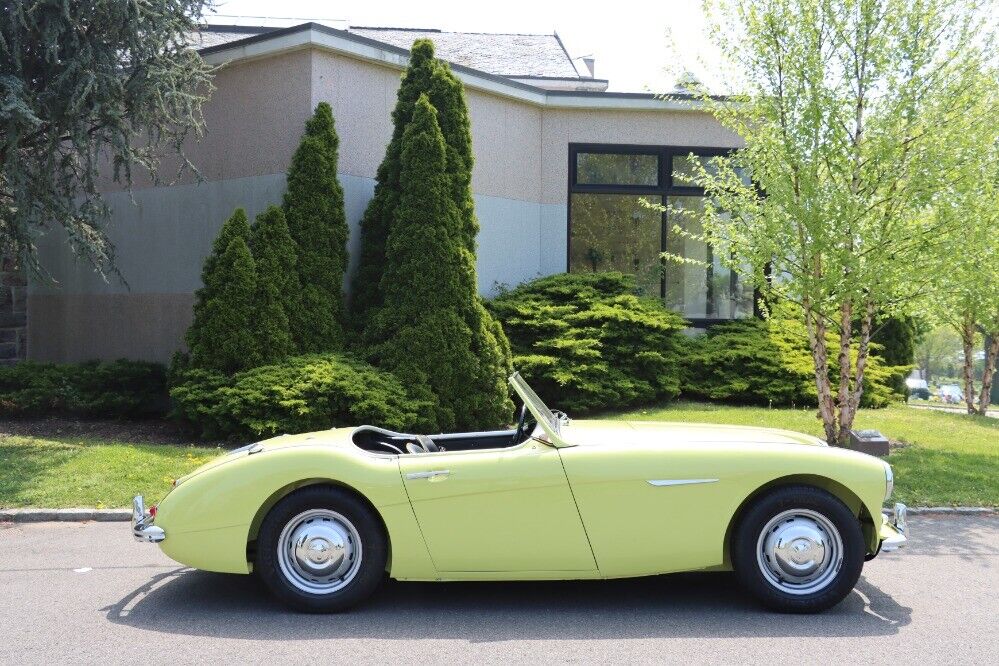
(663, 189)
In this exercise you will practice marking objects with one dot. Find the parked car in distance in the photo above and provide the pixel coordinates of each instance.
(321, 517)
(950, 394)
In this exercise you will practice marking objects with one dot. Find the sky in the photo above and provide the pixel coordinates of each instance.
(638, 46)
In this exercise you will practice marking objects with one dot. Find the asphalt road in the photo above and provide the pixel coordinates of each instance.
(88, 593)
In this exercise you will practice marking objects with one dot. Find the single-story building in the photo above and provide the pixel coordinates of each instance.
(561, 168)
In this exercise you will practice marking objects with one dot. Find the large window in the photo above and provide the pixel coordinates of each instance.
(610, 229)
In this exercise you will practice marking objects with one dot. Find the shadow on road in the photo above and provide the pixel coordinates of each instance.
(190, 602)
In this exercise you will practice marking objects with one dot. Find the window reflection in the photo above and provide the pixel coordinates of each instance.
(615, 232)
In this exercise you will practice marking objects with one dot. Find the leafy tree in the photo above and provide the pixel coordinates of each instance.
(316, 219)
(965, 295)
(277, 284)
(424, 75)
(222, 337)
(84, 86)
(854, 115)
(433, 330)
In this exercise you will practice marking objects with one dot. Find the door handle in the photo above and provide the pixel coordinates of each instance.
(428, 475)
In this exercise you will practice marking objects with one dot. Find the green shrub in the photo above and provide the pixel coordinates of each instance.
(432, 329)
(318, 224)
(117, 389)
(299, 394)
(425, 75)
(221, 336)
(586, 342)
(768, 362)
(274, 256)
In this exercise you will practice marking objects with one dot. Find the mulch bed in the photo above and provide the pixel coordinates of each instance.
(153, 431)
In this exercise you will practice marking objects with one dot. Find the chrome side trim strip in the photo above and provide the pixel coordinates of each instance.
(428, 475)
(678, 482)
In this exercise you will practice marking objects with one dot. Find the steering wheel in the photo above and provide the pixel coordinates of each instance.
(520, 435)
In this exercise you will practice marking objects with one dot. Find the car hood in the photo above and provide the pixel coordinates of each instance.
(583, 433)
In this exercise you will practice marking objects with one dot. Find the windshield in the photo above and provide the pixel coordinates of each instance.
(546, 418)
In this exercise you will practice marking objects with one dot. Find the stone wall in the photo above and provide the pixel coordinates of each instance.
(13, 312)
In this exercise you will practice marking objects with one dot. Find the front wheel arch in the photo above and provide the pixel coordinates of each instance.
(841, 492)
(284, 491)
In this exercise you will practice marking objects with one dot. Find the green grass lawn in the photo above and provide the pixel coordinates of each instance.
(75, 472)
(951, 459)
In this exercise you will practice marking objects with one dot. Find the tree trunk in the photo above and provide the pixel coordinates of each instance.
(816, 326)
(968, 343)
(847, 415)
(845, 336)
(991, 352)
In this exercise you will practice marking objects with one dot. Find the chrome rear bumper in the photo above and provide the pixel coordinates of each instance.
(142, 523)
(899, 520)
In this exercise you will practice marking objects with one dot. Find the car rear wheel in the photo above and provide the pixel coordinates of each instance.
(798, 549)
(321, 550)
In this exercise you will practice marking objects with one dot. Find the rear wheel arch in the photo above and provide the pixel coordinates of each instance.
(835, 488)
(284, 491)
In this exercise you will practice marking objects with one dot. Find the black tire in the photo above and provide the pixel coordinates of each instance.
(280, 578)
(751, 563)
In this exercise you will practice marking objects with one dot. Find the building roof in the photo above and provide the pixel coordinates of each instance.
(222, 44)
(511, 55)
(541, 58)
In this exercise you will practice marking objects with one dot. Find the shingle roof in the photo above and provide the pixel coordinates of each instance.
(501, 54)
(513, 55)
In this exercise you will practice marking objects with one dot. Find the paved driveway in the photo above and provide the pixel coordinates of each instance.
(89, 593)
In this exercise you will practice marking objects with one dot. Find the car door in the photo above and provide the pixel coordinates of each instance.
(502, 510)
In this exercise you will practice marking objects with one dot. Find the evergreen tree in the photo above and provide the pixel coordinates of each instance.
(424, 75)
(237, 226)
(433, 330)
(277, 284)
(221, 336)
(313, 206)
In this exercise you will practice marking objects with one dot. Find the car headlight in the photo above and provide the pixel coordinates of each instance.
(889, 481)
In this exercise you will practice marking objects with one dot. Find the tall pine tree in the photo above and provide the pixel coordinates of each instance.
(433, 330)
(277, 284)
(424, 75)
(313, 206)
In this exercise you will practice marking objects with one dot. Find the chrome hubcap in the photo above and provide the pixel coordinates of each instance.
(800, 551)
(319, 551)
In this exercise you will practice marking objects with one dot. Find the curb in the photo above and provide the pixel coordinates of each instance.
(64, 515)
(125, 515)
(952, 510)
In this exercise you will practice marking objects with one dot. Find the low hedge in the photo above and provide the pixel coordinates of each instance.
(770, 363)
(299, 394)
(587, 342)
(115, 389)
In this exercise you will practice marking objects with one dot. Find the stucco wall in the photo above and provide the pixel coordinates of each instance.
(255, 119)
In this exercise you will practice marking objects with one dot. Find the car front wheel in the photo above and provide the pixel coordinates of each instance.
(321, 550)
(798, 549)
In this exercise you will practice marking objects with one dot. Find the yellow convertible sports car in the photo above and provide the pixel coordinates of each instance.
(322, 517)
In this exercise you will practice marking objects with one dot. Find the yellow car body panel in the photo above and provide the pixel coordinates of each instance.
(586, 499)
(703, 475)
(230, 495)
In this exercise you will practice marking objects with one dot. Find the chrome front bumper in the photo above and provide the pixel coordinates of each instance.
(142, 523)
(898, 519)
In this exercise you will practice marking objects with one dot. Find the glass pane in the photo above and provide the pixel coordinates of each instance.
(684, 169)
(616, 169)
(707, 290)
(615, 232)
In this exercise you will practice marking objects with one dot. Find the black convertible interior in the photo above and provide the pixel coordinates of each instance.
(380, 440)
